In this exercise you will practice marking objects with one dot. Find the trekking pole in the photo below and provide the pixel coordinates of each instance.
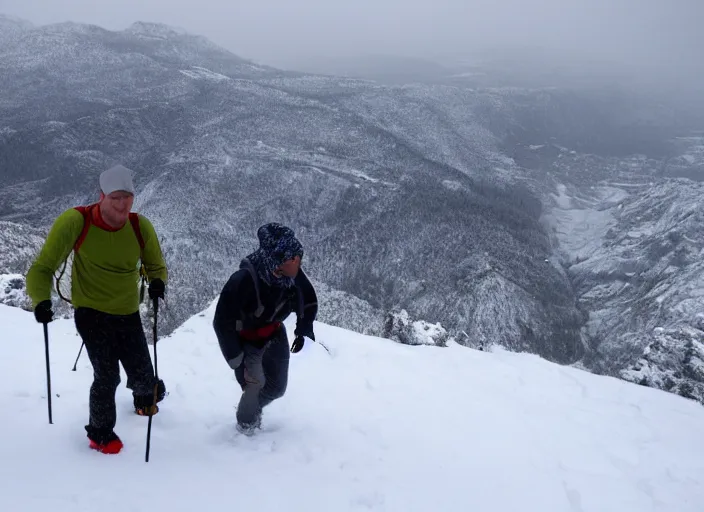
(324, 346)
(156, 365)
(156, 383)
(48, 371)
(79, 355)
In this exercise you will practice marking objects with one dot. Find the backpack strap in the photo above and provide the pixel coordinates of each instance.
(134, 220)
(87, 212)
(253, 273)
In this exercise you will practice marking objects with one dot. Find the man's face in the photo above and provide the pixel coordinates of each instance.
(117, 206)
(289, 268)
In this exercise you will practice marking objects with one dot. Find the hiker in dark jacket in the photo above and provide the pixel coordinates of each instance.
(253, 304)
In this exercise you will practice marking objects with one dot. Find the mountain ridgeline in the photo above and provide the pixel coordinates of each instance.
(433, 198)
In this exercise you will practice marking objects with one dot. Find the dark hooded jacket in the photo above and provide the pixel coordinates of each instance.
(253, 302)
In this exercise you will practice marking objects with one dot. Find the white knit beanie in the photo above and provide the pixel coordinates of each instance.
(117, 178)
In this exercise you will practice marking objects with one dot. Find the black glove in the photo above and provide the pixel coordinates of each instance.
(297, 344)
(156, 289)
(43, 312)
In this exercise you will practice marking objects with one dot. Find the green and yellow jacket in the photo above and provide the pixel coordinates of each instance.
(105, 270)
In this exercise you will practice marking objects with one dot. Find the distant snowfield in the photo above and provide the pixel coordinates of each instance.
(372, 426)
(198, 72)
(581, 225)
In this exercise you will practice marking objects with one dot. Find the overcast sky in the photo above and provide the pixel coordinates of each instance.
(653, 32)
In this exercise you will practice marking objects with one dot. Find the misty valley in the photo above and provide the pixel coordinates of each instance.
(530, 212)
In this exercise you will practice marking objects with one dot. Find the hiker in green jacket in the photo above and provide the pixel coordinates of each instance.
(108, 242)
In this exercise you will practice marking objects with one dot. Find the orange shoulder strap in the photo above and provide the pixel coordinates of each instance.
(134, 220)
(86, 211)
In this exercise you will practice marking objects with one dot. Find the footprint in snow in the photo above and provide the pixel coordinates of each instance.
(369, 500)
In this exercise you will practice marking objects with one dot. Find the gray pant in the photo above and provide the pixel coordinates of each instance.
(263, 376)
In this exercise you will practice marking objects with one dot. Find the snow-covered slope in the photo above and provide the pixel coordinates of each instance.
(632, 244)
(18, 245)
(372, 425)
(11, 28)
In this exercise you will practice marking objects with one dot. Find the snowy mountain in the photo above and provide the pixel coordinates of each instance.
(495, 431)
(11, 28)
(489, 214)
(637, 268)
(18, 245)
(401, 196)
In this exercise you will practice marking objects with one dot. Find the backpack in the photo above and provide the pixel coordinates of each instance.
(260, 307)
(86, 212)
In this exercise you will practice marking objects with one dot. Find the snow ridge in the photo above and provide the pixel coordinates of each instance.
(488, 430)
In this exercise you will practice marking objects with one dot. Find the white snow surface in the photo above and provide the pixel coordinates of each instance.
(372, 425)
(580, 223)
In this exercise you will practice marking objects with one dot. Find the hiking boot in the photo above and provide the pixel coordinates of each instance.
(249, 428)
(144, 404)
(103, 442)
(146, 410)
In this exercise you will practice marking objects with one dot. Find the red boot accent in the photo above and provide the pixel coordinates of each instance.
(111, 447)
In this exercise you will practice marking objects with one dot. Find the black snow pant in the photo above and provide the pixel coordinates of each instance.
(109, 341)
(262, 373)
